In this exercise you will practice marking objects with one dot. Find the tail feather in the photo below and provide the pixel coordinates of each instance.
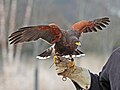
(78, 53)
(48, 52)
(45, 54)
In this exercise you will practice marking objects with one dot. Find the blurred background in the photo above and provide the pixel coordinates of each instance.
(20, 70)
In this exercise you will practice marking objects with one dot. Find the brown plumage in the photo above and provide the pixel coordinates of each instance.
(51, 33)
(64, 40)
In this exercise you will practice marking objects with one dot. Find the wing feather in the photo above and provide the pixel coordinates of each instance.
(89, 26)
(50, 33)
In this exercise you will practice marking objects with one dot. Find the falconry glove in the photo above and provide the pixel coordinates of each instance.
(66, 68)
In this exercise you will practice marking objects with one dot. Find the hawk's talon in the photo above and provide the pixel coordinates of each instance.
(72, 63)
(72, 59)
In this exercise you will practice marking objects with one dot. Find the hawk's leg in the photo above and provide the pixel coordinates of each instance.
(56, 57)
(72, 61)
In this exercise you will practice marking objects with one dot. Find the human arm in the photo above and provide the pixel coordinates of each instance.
(81, 77)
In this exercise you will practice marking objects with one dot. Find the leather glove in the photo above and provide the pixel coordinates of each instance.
(67, 68)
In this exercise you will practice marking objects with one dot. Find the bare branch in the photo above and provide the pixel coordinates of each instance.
(2, 30)
(26, 22)
(12, 27)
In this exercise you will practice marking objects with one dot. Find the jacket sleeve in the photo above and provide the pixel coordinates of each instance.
(109, 77)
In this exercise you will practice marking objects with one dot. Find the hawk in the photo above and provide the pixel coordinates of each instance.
(65, 42)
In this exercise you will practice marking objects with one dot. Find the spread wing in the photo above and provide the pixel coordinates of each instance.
(89, 26)
(50, 33)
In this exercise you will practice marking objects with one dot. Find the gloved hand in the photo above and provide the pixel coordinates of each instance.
(66, 68)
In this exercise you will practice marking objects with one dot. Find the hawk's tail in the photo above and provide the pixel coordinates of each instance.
(76, 53)
(45, 54)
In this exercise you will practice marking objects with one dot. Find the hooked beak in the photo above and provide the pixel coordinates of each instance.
(78, 43)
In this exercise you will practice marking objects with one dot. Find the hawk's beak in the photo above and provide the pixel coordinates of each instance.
(78, 43)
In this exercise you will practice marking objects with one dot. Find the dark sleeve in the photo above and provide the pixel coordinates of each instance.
(110, 75)
(95, 84)
(109, 78)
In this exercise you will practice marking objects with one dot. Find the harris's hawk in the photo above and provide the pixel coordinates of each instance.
(65, 41)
